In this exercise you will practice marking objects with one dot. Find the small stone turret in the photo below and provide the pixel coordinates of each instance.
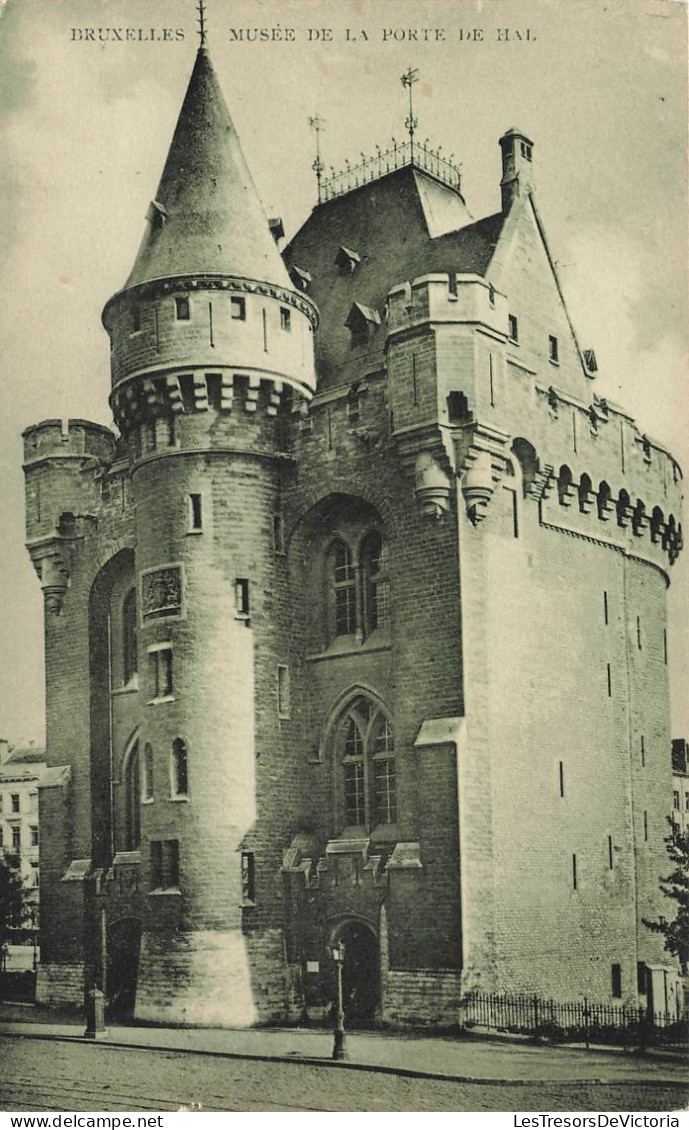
(61, 495)
(517, 167)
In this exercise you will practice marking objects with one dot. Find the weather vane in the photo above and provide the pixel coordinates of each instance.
(316, 123)
(411, 122)
(202, 23)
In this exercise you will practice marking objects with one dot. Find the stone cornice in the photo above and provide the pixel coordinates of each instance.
(161, 287)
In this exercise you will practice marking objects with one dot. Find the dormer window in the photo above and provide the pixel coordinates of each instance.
(277, 228)
(347, 260)
(182, 309)
(362, 321)
(156, 215)
(525, 150)
(301, 279)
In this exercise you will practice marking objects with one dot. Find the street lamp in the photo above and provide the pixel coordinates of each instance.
(337, 953)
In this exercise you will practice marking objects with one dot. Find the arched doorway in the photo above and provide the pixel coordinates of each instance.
(360, 972)
(124, 943)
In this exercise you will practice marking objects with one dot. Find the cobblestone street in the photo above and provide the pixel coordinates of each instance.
(70, 1076)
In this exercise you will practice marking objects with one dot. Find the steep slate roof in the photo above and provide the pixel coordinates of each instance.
(207, 217)
(390, 223)
(26, 755)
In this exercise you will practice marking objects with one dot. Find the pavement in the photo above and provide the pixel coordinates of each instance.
(469, 1059)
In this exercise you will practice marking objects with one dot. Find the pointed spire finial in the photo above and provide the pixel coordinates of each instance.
(202, 23)
(408, 79)
(316, 123)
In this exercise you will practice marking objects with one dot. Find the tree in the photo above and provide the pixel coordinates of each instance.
(676, 887)
(12, 911)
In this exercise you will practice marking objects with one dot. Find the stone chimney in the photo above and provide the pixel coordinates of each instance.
(517, 167)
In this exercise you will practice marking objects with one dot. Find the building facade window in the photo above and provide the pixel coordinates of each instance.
(132, 791)
(179, 769)
(165, 864)
(34, 836)
(343, 588)
(15, 802)
(160, 660)
(358, 587)
(195, 513)
(285, 319)
(675, 799)
(512, 328)
(242, 600)
(16, 839)
(616, 978)
(130, 659)
(182, 309)
(248, 865)
(147, 773)
(364, 766)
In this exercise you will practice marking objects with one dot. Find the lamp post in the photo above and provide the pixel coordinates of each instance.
(339, 1051)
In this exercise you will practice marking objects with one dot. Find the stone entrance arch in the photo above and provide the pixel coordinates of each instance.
(361, 969)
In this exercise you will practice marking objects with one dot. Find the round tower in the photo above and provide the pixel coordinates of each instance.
(210, 346)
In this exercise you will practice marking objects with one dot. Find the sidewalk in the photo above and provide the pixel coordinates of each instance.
(464, 1059)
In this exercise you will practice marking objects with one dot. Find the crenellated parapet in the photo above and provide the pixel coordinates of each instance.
(467, 406)
(64, 467)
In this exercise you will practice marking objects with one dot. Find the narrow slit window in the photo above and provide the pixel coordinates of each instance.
(284, 696)
(638, 632)
(574, 872)
(238, 309)
(605, 608)
(609, 677)
(643, 752)
(248, 878)
(285, 319)
(645, 825)
(513, 328)
(553, 349)
(147, 773)
(278, 533)
(561, 776)
(610, 854)
(665, 645)
(136, 319)
(195, 512)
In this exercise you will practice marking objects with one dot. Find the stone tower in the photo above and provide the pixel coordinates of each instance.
(379, 659)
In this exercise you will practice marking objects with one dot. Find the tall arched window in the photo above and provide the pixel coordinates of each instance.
(375, 582)
(343, 588)
(364, 766)
(130, 660)
(179, 770)
(132, 830)
(147, 773)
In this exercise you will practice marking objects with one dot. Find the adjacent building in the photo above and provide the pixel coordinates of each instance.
(356, 623)
(21, 768)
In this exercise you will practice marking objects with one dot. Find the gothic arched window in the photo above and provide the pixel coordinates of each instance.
(375, 584)
(343, 588)
(130, 660)
(133, 800)
(364, 766)
(179, 774)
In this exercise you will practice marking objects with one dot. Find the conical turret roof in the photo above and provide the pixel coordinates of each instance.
(207, 217)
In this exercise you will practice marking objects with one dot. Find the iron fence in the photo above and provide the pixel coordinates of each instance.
(575, 1021)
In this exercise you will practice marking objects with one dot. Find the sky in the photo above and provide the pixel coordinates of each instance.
(85, 125)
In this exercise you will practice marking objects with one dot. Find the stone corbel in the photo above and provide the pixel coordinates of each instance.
(432, 486)
(51, 560)
(427, 454)
(587, 499)
(541, 483)
(481, 461)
